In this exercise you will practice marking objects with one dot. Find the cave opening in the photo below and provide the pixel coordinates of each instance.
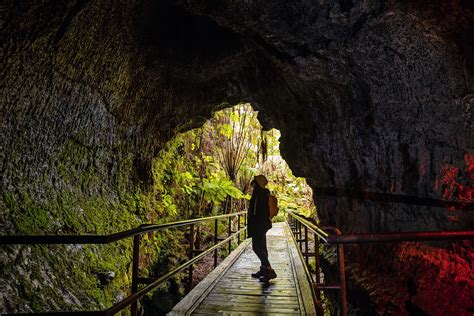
(233, 145)
(207, 171)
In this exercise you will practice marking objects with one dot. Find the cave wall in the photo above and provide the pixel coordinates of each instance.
(368, 95)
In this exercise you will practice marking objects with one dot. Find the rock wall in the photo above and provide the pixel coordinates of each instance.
(368, 95)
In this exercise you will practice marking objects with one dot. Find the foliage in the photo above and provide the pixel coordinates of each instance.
(217, 190)
(208, 170)
(188, 180)
(292, 192)
(237, 131)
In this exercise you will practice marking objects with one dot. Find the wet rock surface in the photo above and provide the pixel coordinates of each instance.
(368, 95)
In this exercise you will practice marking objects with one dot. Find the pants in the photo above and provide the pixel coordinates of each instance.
(259, 246)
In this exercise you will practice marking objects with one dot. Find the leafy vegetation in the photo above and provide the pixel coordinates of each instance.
(207, 171)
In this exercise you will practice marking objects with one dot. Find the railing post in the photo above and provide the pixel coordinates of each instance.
(316, 258)
(215, 241)
(229, 231)
(197, 240)
(306, 244)
(191, 250)
(300, 235)
(342, 269)
(238, 229)
(317, 265)
(245, 225)
(342, 273)
(135, 263)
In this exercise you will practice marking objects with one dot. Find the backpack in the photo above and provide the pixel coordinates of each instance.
(272, 205)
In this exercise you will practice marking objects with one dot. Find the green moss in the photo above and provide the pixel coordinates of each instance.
(125, 170)
(9, 201)
(70, 212)
(37, 303)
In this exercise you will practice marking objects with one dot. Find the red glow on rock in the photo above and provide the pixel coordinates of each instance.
(448, 182)
(410, 276)
(457, 184)
(453, 218)
(469, 160)
(444, 278)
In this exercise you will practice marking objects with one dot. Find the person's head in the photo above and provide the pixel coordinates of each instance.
(260, 180)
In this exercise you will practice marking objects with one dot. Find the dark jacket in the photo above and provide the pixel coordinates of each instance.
(258, 213)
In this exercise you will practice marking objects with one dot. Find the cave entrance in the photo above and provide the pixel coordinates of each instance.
(208, 170)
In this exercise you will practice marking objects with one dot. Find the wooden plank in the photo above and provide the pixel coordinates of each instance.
(260, 298)
(229, 313)
(304, 287)
(199, 293)
(278, 285)
(225, 313)
(260, 308)
(283, 293)
(255, 304)
(276, 290)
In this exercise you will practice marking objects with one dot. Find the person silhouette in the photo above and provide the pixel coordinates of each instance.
(259, 223)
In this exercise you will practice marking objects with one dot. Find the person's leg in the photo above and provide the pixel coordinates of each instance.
(263, 247)
(269, 273)
(259, 246)
(257, 249)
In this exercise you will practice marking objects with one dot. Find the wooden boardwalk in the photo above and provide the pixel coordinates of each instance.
(230, 290)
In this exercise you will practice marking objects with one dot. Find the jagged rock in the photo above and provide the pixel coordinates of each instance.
(105, 277)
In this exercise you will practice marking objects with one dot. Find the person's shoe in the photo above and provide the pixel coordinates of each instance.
(269, 275)
(259, 274)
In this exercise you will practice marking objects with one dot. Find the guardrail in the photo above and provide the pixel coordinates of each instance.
(136, 233)
(301, 229)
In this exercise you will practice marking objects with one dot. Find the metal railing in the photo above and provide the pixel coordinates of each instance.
(136, 293)
(302, 229)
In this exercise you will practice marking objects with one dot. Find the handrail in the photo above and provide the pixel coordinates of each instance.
(132, 299)
(103, 239)
(333, 236)
(313, 227)
(308, 275)
(135, 296)
(356, 238)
